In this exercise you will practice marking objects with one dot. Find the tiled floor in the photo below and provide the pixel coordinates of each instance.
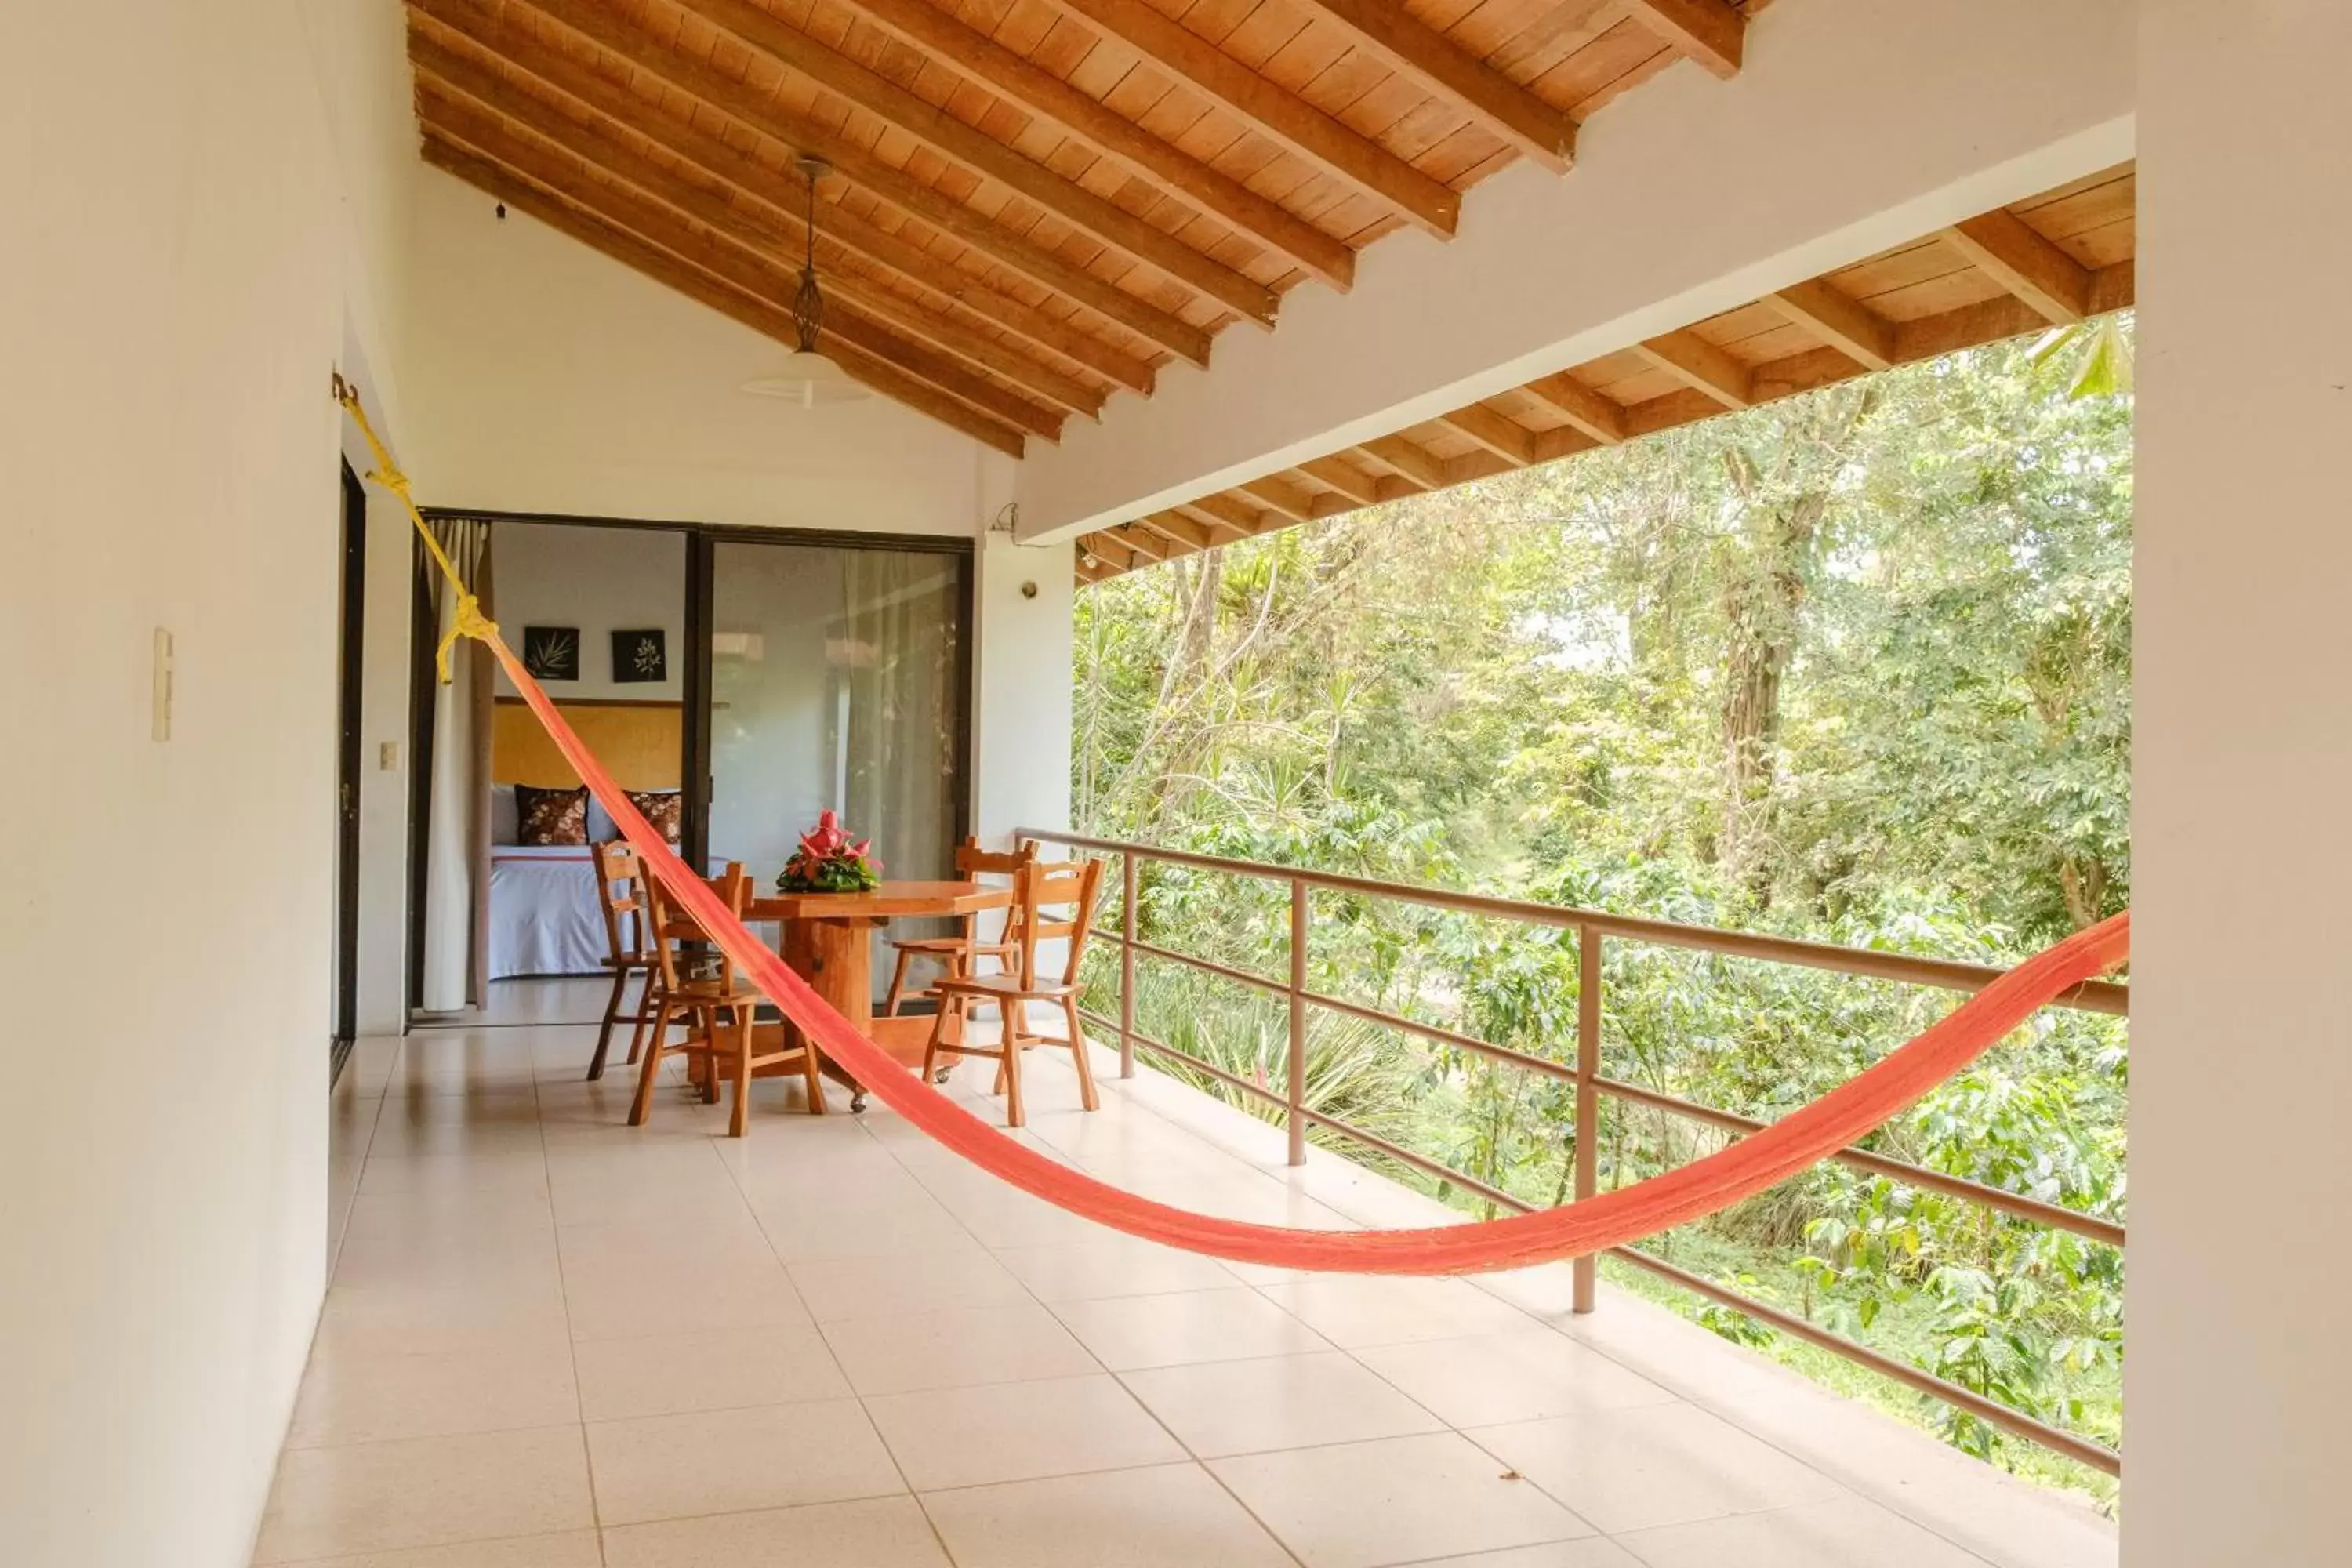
(555, 1341)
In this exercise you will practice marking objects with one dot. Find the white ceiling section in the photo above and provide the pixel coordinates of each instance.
(1692, 197)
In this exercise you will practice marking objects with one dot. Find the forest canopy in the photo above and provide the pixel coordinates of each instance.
(1854, 665)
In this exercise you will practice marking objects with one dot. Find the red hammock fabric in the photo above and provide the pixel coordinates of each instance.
(1690, 1192)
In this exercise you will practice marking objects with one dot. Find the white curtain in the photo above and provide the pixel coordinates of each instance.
(456, 833)
(898, 743)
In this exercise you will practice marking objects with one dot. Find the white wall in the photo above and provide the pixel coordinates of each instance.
(550, 379)
(383, 1002)
(177, 283)
(601, 581)
(1854, 125)
(2239, 1378)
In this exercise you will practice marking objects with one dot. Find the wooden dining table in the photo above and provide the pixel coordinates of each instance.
(828, 939)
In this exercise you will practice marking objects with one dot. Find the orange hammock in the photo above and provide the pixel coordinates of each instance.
(1690, 1192)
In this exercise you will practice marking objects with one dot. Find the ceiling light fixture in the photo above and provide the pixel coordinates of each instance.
(809, 378)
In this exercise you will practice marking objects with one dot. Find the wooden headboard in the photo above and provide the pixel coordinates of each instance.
(641, 743)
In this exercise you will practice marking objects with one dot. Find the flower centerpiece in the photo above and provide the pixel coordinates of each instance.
(827, 862)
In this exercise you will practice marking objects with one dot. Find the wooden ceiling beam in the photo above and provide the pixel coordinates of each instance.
(1344, 477)
(1103, 547)
(1412, 461)
(1593, 413)
(1711, 32)
(759, 276)
(673, 273)
(1495, 103)
(984, 155)
(1179, 528)
(1287, 120)
(600, 23)
(1144, 542)
(1284, 499)
(1700, 365)
(1225, 510)
(989, 65)
(2000, 244)
(456, 89)
(1506, 438)
(1839, 319)
(752, 182)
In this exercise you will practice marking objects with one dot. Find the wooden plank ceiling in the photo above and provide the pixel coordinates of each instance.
(1036, 203)
(2056, 258)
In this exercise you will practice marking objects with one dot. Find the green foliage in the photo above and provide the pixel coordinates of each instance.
(1854, 667)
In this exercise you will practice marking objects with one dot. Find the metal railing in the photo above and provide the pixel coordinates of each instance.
(1593, 927)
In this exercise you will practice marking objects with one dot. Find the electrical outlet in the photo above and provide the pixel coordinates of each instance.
(161, 691)
(387, 757)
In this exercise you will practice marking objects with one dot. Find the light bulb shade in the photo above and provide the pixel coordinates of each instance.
(808, 380)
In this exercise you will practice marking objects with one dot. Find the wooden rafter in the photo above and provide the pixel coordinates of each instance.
(1226, 511)
(479, 109)
(1344, 477)
(1708, 31)
(658, 265)
(748, 182)
(2052, 282)
(1700, 365)
(723, 94)
(1585, 409)
(1395, 36)
(1175, 527)
(749, 272)
(987, 64)
(1506, 438)
(1287, 499)
(1845, 323)
(1407, 461)
(1289, 122)
(986, 156)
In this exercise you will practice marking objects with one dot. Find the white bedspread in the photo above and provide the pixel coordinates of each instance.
(543, 913)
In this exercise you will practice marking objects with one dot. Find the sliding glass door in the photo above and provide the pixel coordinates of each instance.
(836, 679)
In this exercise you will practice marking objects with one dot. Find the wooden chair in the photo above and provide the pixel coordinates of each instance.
(620, 882)
(1051, 901)
(959, 955)
(702, 1001)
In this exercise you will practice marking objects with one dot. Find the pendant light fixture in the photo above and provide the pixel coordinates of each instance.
(808, 378)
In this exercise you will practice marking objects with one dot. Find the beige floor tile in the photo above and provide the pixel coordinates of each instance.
(1224, 1407)
(1132, 1332)
(1355, 1310)
(1018, 1432)
(487, 1257)
(1397, 1499)
(1116, 1266)
(1654, 1465)
(1496, 1378)
(425, 1491)
(1170, 1516)
(955, 1348)
(368, 1399)
(1848, 1533)
(456, 1175)
(802, 1228)
(902, 1282)
(1593, 1552)
(729, 1461)
(693, 1235)
(614, 1299)
(436, 1318)
(728, 1369)
(573, 1549)
(451, 1210)
(877, 1532)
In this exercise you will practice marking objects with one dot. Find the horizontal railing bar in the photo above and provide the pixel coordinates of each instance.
(2090, 1226)
(1951, 975)
(1225, 971)
(2083, 1450)
(1437, 1168)
(1187, 1058)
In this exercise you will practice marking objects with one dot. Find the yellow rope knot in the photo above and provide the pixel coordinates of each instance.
(466, 621)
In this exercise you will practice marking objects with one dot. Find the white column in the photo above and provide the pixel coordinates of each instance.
(1021, 674)
(2239, 1380)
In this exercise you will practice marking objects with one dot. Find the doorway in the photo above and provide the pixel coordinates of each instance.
(350, 644)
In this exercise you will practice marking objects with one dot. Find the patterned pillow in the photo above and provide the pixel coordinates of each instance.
(552, 815)
(665, 808)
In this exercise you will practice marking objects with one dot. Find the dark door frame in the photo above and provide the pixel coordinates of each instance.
(351, 690)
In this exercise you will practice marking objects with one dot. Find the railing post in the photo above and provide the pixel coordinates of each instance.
(1588, 1098)
(1127, 964)
(1295, 1096)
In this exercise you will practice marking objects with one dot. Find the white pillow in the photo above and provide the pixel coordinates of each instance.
(602, 828)
(506, 819)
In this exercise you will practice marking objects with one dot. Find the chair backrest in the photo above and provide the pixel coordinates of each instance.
(620, 883)
(1053, 900)
(672, 927)
(973, 862)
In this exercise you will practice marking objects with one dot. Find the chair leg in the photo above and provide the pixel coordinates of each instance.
(641, 1018)
(898, 983)
(604, 1031)
(1087, 1096)
(642, 1105)
(739, 1122)
(812, 1073)
(709, 1058)
(1016, 1113)
(939, 1036)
